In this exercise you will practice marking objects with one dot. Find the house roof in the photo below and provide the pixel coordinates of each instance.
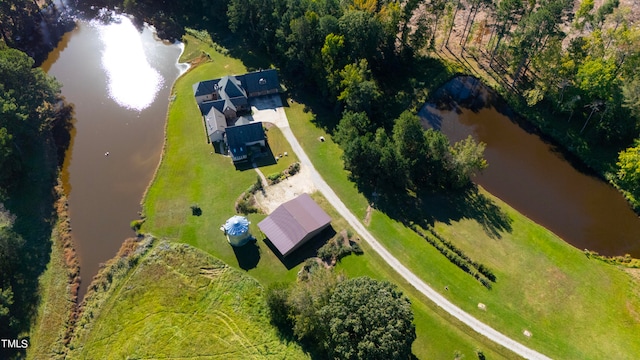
(204, 87)
(215, 121)
(259, 81)
(239, 136)
(231, 87)
(291, 223)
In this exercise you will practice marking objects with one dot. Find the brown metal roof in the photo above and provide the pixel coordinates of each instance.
(291, 223)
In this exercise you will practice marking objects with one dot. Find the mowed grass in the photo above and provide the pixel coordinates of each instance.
(191, 173)
(439, 335)
(574, 307)
(279, 146)
(179, 302)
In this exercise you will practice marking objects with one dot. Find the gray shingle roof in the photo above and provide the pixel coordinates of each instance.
(239, 136)
(215, 121)
(204, 87)
(260, 81)
(293, 222)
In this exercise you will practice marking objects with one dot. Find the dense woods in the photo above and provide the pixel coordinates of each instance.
(34, 126)
(33, 27)
(570, 68)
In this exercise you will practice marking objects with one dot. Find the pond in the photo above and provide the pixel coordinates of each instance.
(119, 79)
(533, 176)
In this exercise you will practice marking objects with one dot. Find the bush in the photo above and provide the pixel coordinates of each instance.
(275, 178)
(293, 168)
(245, 205)
(337, 248)
(196, 210)
(136, 225)
(277, 295)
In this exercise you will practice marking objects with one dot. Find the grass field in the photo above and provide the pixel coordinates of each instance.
(543, 285)
(179, 302)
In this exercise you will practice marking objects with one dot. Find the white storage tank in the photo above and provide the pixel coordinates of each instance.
(237, 230)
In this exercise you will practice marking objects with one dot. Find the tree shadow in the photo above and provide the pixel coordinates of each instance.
(248, 255)
(430, 207)
(304, 252)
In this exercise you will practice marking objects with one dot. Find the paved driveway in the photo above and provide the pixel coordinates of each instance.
(269, 108)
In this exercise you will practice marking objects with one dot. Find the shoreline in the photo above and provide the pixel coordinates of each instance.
(70, 256)
(172, 96)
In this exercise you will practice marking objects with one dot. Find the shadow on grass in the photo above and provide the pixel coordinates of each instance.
(307, 250)
(428, 208)
(248, 255)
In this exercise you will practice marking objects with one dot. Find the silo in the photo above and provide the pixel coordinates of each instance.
(237, 230)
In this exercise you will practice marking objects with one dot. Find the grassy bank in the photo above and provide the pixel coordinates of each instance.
(175, 300)
(543, 285)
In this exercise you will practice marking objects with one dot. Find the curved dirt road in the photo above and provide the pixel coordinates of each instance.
(280, 119)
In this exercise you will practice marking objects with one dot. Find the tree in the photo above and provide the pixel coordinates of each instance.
(629, 170)
(358, 90)
(307, 298)
(368, 319)
(467, 160)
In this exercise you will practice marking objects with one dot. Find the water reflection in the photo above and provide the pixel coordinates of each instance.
(531, 176)
(132, 82)
(118, 78)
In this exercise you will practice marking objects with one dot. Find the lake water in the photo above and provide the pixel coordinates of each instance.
(534, 178)
(119, 78)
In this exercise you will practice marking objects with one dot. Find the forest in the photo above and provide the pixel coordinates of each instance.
(34, 133)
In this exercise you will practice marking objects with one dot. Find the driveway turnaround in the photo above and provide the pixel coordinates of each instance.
(279, 118)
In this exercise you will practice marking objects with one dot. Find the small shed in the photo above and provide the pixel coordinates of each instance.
(237, 230)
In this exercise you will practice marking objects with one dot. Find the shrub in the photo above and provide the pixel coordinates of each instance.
(275, 178)
(196, 210)
(277, 295)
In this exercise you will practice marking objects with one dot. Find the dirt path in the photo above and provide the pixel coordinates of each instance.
(286, 190)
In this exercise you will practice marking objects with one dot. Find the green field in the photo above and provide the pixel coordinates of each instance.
(543, 285)
(179, 302)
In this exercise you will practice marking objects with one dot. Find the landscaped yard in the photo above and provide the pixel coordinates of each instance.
(543, 285)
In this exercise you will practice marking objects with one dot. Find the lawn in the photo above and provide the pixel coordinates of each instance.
(543, 285)
(179, 302)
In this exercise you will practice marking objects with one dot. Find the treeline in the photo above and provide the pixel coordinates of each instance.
(33, 27)
(576, 64)
(407, 158)
(34, 126)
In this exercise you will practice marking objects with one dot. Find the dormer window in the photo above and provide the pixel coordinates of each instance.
(262, 81)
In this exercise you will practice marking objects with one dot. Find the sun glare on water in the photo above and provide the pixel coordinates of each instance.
(133, 83)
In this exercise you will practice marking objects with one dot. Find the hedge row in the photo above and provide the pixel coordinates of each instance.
(457, 257)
